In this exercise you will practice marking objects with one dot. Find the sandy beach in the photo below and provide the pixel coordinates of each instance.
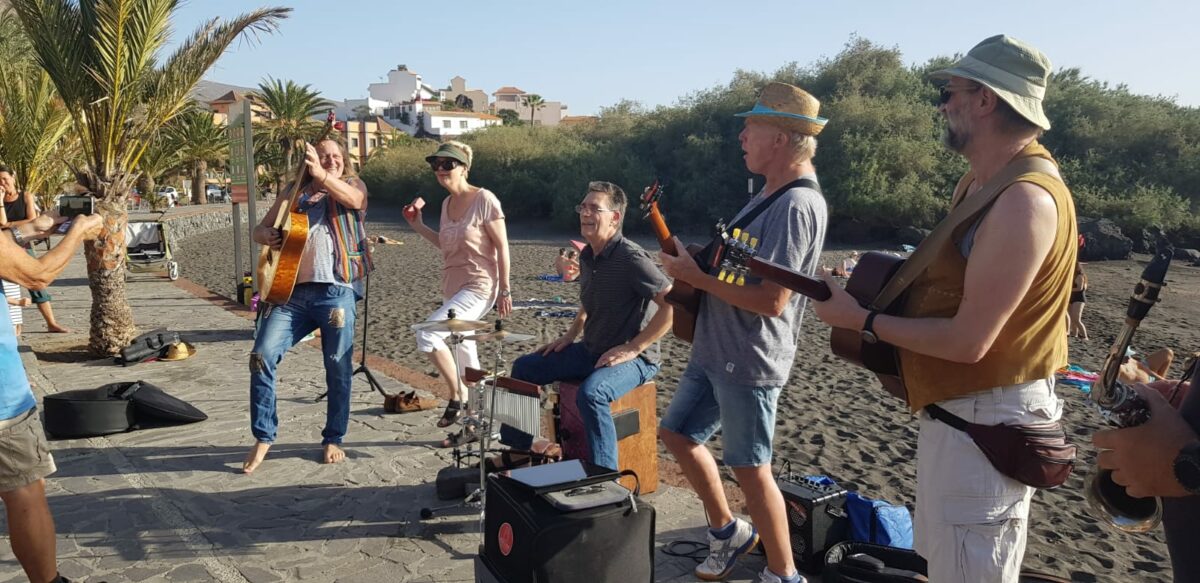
(833, 419)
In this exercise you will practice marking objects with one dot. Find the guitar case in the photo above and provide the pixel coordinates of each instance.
(114, 408)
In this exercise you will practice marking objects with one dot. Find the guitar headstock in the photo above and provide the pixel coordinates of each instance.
(651, 195)
(739, 249)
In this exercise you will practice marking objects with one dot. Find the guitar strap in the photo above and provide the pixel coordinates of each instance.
(711, 255)
(968, 208)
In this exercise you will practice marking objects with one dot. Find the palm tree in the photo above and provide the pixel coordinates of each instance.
(103, 57)
(199, 141)
(160, 157)
(33, 121)
(291, 109)
(534, 102)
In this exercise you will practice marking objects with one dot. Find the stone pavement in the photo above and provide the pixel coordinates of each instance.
(170, 504)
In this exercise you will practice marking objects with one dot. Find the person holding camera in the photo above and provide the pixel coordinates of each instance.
(20, 209)
(25, 458)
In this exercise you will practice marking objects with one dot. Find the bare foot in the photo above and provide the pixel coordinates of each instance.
(333, 454)
(56, 329)
(255, 457)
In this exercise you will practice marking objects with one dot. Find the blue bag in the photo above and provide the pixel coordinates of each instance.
(877, 522)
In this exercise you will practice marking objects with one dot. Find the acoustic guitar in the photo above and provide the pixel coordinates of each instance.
(278, 270)
(684, 299)
(869, 277)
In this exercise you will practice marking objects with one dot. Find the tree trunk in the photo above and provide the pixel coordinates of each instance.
(112, 319)
(199, 184)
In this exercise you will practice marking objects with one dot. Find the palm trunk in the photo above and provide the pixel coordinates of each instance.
(112, 319)
(199, 184)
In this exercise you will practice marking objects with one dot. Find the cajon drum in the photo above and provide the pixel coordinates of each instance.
(637, 443)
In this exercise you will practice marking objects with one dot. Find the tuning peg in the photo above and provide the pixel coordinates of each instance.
(721, 276)
(736, 233)
(741, 280)
(745, 237)
(753, 242)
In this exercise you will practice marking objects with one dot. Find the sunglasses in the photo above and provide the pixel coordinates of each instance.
(444, 164)
(946, 92)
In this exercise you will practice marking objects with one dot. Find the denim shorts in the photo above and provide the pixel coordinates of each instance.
(745, 414)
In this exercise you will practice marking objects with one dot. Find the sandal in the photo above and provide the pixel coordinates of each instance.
(460, 437)
(451, 414)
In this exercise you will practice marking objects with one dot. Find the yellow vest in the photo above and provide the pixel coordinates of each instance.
(1033, 342)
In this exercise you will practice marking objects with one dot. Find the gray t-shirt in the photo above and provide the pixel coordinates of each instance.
(316, 262)
(741, 347)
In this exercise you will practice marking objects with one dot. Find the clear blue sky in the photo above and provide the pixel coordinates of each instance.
(589, 54)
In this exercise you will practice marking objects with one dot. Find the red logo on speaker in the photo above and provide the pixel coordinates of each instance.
(505, 539)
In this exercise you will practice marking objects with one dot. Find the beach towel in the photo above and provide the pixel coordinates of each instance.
(549, 277)
(532, 303)
(1076, 376)
(556, 313)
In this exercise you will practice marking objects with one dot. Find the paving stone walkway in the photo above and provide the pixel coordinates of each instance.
(170, 504)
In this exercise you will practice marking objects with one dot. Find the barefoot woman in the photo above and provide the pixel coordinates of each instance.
(474, 245)
(332, 267)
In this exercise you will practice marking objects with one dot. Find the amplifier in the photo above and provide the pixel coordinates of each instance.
(527, 540)
(817, 519)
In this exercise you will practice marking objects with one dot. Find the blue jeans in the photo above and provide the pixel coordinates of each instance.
(745, 414)
(312, 305)
(600, 387)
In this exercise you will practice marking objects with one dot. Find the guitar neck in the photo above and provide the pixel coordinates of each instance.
(661, 232)
(802, 284)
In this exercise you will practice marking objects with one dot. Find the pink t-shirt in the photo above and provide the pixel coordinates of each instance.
(469, 258)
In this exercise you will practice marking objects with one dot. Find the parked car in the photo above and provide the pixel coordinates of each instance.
(215, 193)
(169, 193)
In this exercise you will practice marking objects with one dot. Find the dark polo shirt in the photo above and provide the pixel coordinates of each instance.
(617, 288)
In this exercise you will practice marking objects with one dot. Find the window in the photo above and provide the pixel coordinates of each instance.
(353, 142)
(462, 124)
(446, 124)
(356, 167)
(373, 142)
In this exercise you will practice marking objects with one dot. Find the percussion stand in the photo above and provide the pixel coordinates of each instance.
(362, 365)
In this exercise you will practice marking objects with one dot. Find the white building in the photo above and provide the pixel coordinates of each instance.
(448, 124)
(346, 109)
(402, 86)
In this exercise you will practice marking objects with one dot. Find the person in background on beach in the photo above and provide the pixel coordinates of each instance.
(983, 331)
(560, 261)
(745, 340)
(25, 458)
(571, 269)
(20, 209)
(1079, 285)
(335, 261)
(618, 351)
(1161, 457)
(473, 240)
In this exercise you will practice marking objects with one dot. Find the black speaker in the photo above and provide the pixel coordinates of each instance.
(526, 540)
(817, 519)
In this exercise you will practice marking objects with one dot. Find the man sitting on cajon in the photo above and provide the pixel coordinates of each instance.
(619, 281)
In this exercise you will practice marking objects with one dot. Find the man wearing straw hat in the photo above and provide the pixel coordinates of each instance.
(982, 329)
(745, 339)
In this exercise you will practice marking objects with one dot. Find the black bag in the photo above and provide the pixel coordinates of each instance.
(114, 408)
(859, 562)
(527, 540)
(87, 413)
(148, 345)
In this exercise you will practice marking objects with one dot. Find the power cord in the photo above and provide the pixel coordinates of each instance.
(696, 550)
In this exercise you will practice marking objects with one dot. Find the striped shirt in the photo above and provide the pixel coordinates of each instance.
(618, 287)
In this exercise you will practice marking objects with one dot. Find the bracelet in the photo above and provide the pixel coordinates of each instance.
(505, 293)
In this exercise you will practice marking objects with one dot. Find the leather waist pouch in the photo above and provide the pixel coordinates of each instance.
(1036, 455)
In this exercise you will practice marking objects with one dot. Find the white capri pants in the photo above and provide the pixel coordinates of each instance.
(467, 305)
(972, 521)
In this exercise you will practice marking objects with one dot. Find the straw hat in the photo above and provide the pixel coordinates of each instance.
(179, 351)
(788, 107)
(1016, 71)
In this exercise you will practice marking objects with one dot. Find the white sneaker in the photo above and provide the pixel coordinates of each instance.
(723, 553)
(768, 577)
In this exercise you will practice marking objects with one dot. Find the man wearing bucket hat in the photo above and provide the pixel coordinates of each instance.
(745, 339)
(982, 330)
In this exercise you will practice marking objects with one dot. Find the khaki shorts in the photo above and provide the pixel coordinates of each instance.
(24, 455)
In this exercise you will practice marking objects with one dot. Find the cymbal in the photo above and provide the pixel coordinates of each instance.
(451, 325)
(500, 335)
